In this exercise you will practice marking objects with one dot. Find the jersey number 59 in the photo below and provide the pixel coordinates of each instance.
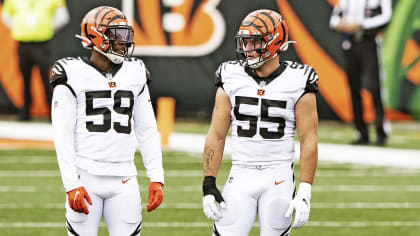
(90, 110)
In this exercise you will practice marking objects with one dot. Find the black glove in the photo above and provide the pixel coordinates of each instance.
(209, 187)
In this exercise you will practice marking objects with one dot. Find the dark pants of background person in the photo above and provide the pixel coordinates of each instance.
(34, 54)
(362, 60)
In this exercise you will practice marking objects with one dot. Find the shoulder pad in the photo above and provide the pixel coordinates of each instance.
(311, 80)
(223, 67)
(295, 65)
(58, 74)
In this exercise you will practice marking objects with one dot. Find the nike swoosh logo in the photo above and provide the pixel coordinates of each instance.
(75, 196)
(125, 180)
(279, 182)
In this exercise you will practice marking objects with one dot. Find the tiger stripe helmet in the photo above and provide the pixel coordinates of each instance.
(267, 26)
(103, 25)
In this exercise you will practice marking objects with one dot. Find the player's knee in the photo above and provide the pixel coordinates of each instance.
(75, 217)
(231, 212)
(74, 222)
(275, 214)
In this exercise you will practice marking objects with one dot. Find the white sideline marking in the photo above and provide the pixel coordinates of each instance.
(337, 153)
(314, 205)
(351, 224)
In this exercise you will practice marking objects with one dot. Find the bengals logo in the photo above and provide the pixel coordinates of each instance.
(175, 27)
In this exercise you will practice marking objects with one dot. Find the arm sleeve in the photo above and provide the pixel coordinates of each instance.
(148, 137)
(381, 19)
(63, 117)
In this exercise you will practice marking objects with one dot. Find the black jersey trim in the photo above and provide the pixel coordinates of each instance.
(142, 89)
(287, 231)
(215, 231)
(70, 229)
(70, 88)
(275, 74)
(137, 230)
(104, 73)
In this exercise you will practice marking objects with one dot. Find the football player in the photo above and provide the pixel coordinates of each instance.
(100, 106)
(265, 99)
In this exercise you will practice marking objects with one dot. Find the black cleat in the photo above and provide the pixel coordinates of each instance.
(360, 141)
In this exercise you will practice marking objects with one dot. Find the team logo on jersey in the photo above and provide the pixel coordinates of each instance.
(112, 84)
(260, 92)
(230, 179)
(175, 27)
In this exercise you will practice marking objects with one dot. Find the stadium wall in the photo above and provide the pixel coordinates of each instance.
(183, 42)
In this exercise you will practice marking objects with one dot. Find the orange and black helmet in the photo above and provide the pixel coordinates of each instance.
(267, 27)
(104, 25)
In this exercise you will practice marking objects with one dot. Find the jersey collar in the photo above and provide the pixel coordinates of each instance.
(266, 80)
(106, 74)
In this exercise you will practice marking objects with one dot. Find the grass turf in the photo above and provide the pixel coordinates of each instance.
(32, 193)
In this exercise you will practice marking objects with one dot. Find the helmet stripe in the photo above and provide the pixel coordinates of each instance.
(256, 27)
(265, 24)
(114, 18)
(284, 33)
(97, 14)
(269, 17)
(103, 16)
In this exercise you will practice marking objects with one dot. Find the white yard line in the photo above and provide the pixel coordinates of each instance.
(351, 224)
(314, 205)
(199, 173)
(197, 188)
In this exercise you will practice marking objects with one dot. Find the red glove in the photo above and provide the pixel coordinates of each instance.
(155, 195)
(76, 200)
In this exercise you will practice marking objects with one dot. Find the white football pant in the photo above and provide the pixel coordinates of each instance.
(115, 198)
(249, 190)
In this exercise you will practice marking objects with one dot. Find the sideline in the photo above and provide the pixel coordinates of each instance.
(19, 135)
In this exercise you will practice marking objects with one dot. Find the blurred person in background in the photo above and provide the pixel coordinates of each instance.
(100, 106)
(265, 100)
(32, 24)
(360, 22)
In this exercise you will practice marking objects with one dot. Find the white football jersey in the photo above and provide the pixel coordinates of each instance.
(263, 109)
(111, 110)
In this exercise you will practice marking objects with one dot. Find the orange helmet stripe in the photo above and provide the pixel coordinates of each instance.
(265, 24)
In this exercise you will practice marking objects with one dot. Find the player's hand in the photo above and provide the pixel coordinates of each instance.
(211, 195)
(76, 200)
(301, 204)
(155, 195)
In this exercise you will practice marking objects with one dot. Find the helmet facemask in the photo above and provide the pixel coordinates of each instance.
(249, 43)
(121, 45)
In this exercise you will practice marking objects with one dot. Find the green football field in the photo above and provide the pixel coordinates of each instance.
(346, 199)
